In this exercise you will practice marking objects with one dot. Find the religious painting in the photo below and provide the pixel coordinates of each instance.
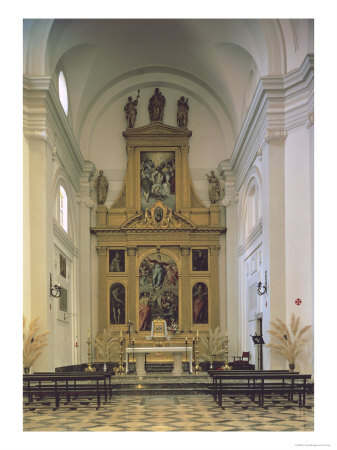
(157, 179)
(63, 303)
(158, 291)
(63, 266)
(199, 260)
(200, 303)
(117, 304)
(116, 260)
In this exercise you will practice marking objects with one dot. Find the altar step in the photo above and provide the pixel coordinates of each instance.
(160, 384)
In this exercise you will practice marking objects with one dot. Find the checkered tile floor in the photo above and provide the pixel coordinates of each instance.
(174, 413)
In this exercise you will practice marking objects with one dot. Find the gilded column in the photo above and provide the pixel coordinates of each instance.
(186, 315)
(133, 279)
(214, 319)
(131, 182)
(184, 181)
(103, 321)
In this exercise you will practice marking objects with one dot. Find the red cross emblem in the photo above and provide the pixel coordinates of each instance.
(298, 301)
(266, 304)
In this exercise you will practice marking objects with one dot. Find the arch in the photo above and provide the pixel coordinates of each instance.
(147, 77)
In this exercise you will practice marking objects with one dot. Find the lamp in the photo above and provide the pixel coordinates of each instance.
(56, 290)
(262, 289)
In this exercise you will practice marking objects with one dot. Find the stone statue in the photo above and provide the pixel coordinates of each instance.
(131, 111)
(213, 187)
(182, 113)
(156, 106)
(101, 186)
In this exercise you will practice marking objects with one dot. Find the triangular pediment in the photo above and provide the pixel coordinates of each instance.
(157, 129)
(167, 220)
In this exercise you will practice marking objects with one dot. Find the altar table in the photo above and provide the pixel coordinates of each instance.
(140, 353)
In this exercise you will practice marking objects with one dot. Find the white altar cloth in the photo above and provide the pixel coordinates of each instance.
(140, 353)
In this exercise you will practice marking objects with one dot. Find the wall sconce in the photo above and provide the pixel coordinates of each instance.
(54, 291)
(262, 289)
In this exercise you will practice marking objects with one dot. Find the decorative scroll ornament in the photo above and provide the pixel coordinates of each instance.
(158, 215)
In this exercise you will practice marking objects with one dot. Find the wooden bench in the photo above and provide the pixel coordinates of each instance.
(259, 383)
(57, 385)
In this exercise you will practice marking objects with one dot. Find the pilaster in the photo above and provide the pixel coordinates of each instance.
(132, 284)
(186, 311)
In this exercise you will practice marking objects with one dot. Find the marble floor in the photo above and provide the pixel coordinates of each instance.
(171, 413)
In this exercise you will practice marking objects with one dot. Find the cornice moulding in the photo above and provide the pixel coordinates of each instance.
(279, 102)
(64, 239)
(255, 234)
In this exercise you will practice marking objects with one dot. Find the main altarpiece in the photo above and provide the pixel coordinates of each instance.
(158, 245)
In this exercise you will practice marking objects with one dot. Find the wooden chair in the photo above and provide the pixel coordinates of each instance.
(241, 362)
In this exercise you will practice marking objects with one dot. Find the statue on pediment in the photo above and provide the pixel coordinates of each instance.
(156, 106)
(131, 111)
(182, 113)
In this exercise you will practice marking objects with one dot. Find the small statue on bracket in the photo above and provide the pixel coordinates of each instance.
(156, 106)
(101, 186)
(213, 187)
(131, 111)
(182, 113)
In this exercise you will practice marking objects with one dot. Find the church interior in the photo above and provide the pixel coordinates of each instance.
(168, 217)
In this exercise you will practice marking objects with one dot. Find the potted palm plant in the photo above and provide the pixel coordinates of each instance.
(104, 347)
(289, 342)
(33, 343)
(212, 345)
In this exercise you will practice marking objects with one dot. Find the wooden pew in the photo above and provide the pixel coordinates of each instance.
(65, 384)
(259, 383)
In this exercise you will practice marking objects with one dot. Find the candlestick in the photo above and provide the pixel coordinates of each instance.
(226, 366)
(121, 369)
(89, 367)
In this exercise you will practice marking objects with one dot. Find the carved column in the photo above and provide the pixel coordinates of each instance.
(131, 180)
(133, 280)
(214, 320)
(186, 313)
(103, 320)
(184, 181)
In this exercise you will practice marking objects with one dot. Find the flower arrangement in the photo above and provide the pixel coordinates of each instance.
(212, 345)
(104, 346)
(289, 342)
(173, 328)
(33, 343)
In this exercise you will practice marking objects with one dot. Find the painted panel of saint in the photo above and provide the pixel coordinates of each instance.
(200, 303)
(200, 259)
(116, 261)
(117, 304)
(157, 178)
(158, 290)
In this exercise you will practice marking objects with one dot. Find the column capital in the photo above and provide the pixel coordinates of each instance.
(131, 251)
(102, 250)
(275, 135)
(184, 250)
(214, 249)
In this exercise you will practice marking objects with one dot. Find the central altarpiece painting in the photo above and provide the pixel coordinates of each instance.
(158, 244)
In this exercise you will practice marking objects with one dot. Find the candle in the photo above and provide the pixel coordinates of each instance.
(197, 333)
(120, 334)
(226, 334)
(89, 334)
(186, 341)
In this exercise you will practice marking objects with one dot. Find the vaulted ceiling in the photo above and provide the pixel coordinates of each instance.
(220, 60)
